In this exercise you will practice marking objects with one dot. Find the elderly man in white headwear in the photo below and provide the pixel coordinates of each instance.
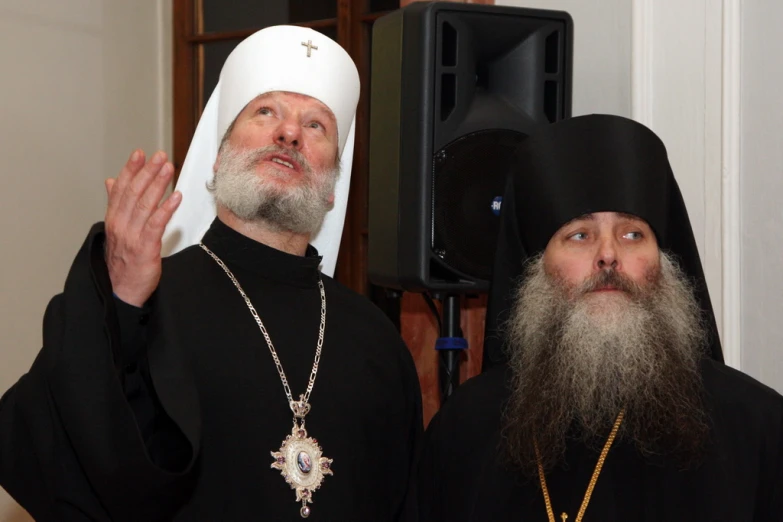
(233, 379)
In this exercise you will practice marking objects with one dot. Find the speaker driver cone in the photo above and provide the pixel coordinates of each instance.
(468, 181)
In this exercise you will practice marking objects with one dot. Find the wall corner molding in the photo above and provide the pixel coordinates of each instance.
(642, 61)
(730, 177)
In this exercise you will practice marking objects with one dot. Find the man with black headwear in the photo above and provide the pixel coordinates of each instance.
(609, 400)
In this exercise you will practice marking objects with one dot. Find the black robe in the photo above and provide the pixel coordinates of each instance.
(171, 412)
(465, 475)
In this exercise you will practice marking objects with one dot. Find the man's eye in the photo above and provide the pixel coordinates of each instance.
(579, 236)
(315, 125)
(266, 111)
(633, 235)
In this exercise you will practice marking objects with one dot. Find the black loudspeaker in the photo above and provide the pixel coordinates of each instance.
(454, 88)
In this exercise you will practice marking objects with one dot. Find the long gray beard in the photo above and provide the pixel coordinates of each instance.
(300, 209)
(578, 358)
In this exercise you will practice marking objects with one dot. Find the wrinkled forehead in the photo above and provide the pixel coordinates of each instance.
(309, 104)
(301, 101)
(595, 217)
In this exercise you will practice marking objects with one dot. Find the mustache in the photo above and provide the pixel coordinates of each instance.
(256, 155)
(609, 278)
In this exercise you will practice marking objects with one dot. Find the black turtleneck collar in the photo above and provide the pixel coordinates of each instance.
(238, 250)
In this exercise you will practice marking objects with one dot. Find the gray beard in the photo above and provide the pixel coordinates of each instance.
(578, 358)
(300, 209)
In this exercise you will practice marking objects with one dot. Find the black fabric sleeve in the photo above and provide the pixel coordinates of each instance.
(165, 443)
(38, 468)
(132, 322)
(70, 444)
(133, 368)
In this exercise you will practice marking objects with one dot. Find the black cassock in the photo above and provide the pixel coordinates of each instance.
(170, 412)
(466, 475)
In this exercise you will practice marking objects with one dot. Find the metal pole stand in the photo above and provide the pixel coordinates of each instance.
(449, 345)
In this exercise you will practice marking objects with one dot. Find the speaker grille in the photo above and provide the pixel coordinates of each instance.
(468, 176)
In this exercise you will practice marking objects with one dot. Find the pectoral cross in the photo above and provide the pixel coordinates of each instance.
(563, 517)
(310, 47)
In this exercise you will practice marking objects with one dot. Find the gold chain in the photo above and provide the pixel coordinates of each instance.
(593, 479)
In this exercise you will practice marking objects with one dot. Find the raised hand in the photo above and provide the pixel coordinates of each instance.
(135, 221)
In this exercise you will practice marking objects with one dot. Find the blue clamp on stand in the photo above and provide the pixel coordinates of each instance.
(451, 343)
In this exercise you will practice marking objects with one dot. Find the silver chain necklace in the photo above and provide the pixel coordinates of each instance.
(298, 451)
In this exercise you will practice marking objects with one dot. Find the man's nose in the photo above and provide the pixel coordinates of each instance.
(289, 134)
(607, 256)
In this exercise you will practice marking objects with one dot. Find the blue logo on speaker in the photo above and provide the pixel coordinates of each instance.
(496, 205)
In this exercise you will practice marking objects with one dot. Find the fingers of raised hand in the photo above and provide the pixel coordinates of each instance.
(132, 167)
(134, 198)
(109, 183)
(156, 224)
(149, 200)
(131, 199)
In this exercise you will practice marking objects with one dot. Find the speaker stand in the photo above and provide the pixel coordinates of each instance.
(449, 346)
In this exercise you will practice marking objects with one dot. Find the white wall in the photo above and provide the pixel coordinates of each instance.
(762, 190)
(84, 82)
